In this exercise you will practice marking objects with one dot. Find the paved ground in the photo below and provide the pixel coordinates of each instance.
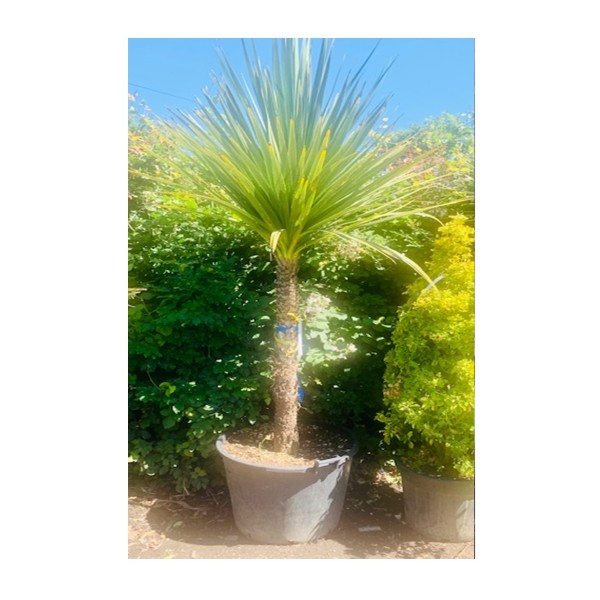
(163, 524)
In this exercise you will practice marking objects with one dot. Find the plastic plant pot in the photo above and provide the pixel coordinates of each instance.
(440, 509)
(282, 505)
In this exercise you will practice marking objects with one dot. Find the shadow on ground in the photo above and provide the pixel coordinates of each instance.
(164, 524)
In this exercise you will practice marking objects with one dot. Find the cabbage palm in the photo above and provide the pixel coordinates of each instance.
(297, 163)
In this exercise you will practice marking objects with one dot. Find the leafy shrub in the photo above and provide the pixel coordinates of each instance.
(148, 154)
(199, 339)
(452, 137)
(350, 303)
(429, 379)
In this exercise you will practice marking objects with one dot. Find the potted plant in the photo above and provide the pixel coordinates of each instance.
(429, 392)
(298, 165)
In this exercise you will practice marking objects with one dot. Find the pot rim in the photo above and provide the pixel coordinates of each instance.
(317, 464)
(402, 467)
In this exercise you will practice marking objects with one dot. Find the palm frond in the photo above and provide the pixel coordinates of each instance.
(386, 251)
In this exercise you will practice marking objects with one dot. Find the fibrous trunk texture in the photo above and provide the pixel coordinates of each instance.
(285, 374)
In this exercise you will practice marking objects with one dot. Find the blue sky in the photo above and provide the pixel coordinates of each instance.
(428, 77)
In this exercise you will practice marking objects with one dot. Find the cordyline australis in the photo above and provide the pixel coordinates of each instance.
(298, 169)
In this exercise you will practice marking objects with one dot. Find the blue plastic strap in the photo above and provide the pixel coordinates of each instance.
(282, 328)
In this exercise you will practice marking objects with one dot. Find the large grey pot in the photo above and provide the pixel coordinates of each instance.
(283, 505)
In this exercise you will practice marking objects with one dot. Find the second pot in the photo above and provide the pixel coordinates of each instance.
(441, 509)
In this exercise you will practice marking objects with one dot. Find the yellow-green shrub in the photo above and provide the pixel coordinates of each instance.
(429, 378)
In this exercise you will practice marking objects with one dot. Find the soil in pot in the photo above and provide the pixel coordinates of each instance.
(280, 499)
(255, 444)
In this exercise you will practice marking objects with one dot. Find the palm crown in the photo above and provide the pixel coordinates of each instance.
(290, 164)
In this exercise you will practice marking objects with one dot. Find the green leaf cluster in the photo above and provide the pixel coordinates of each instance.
(429, 378)
(198, 339)
(149, 154)
(350, 302)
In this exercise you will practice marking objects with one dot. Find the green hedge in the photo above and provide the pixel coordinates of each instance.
(198, 340)
(351, 301)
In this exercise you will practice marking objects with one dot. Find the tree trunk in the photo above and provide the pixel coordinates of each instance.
(285, 373)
